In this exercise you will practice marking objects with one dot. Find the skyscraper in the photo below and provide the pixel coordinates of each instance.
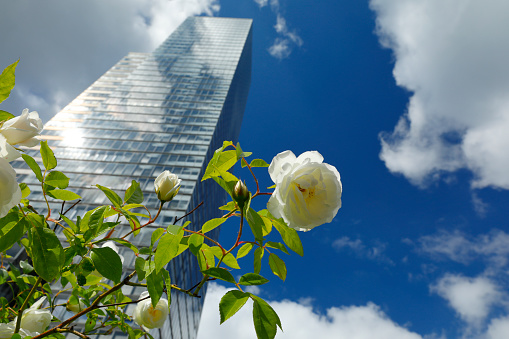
(165, 110)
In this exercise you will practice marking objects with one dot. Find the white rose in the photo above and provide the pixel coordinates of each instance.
(7, 330)
(308, 192)
(10, 193)
(22, 130)
(35, 320)
(7, 152)
(167, 185)
(147, 316)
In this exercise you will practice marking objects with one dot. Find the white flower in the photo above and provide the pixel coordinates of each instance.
(308, 192)
(10, 193)
(167, 185)
(7, 330)
(147, 316)
(22, 130)
(35, 320)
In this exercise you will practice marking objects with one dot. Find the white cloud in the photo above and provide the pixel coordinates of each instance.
(453, 57)
(66, 45)
(261, 3)
(376, 252)
(287, 40)
(456, 246)
(471, 298)
(299, 320)
(498, 328)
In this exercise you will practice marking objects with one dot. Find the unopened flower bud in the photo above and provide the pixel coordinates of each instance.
(167, 185)
(240, 193)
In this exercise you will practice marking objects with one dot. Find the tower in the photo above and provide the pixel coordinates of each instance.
(165, 110)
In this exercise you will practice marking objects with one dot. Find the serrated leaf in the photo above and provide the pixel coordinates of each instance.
(7, 80)
(108, 263)
(230, 303)
(33, 166)
(211, 224)
(252, 279)
(258, 255)
(155, 286)
(139, 265)
(265, 319)
(57, 179)
(155, 236)
(289, 235)
(4, 116)
(258, 163)
(12, 229)
(167, 249)
(133, 195)
(48, 157)
(63, 195)
(256, 223)
(229, 207)
(25, 190)
(220, 273)
(47, 253)
(221, 164)
(277, 266)
(277, 245)
(112, 196)
(244, 250)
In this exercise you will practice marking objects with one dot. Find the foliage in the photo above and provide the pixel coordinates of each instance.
(89, 266)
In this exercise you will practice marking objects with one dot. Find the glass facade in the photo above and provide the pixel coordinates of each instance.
(165, 110)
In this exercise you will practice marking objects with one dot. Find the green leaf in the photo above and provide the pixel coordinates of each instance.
(7, 80)
(277, 266)
(230, 303)
(108, 263)
(211, 224)
(229, 259)
(252, 279)
(25, 190)
(277, 245)
(63, 195)
(57, 179)
(48, 158)
(125, 243)
(12, 229)
(289, 235)
(220, 273)
(139, 265)
(47, 253)
(258, 255)
(256, 224)
(258, 163)
(229, 207)
(265, 319)
(70, 223)
(167, 282)
(195, 241)
(244, 250)
(155, 287)
(155, 236)
(133, 195)
(4, 116)
(112, 196)
(33, 165)
(220, 164)
(25, 266)
(167, 249)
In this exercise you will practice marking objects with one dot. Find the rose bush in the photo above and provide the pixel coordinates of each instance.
(167, 185)
(308, 191)
(149, 317)
(10, 193)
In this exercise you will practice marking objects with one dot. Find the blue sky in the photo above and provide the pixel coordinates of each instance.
(407, 98)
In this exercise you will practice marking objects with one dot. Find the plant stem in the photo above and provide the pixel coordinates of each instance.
(20, 312)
